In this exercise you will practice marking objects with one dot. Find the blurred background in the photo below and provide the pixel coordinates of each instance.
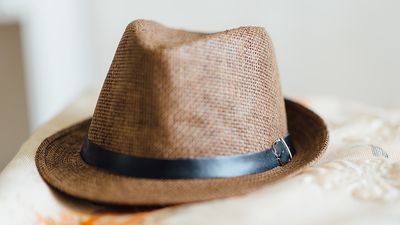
(52, 51)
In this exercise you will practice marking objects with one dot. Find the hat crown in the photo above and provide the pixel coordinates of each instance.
(177, 94)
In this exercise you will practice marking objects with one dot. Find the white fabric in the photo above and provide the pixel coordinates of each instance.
(356, 182)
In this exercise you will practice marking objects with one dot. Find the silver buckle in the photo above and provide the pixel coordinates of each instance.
(277, 153)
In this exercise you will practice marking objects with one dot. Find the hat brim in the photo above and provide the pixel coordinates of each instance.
(59, 163)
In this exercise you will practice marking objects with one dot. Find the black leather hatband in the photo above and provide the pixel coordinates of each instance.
(194, 168)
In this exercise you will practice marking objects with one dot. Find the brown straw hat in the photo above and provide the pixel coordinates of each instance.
(182, 117)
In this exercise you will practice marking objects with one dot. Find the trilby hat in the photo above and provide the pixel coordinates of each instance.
(182, 117)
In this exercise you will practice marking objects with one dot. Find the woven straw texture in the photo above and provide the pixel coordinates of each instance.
(172, 94)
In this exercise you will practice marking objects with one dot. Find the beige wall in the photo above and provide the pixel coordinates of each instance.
(346, 49)
(13, 114)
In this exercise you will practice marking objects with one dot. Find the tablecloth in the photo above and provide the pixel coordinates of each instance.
(357, 181)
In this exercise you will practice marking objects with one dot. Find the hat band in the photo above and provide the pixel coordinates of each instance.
(194, 168)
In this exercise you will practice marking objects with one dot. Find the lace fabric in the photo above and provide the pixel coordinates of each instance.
(357, 181)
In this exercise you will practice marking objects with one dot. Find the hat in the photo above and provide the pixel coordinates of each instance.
(182, 117)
